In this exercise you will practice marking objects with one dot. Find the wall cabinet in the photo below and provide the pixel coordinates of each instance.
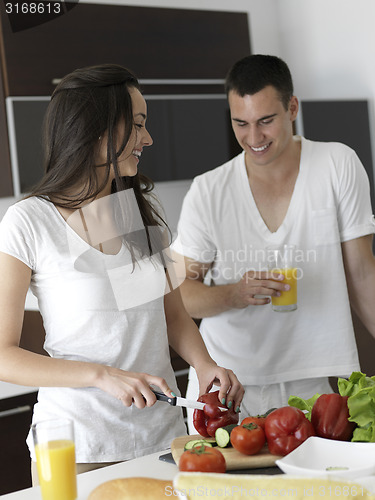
(15, 420)
(366, 346)
(345, 121)
(15, 417)
(6, 184)
(158, 44)
(183, 128)
(155, 43)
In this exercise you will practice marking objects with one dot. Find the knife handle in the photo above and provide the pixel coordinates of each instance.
(160, 396)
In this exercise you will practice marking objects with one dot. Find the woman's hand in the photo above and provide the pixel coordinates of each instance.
(131, 387)
(231, 390)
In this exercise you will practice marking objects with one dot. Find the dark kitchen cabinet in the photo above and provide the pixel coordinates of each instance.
(181, 369)
(160, 45)
(156, 43)
(6, 185)
(366, 346)
(15, 421)
(15, 417)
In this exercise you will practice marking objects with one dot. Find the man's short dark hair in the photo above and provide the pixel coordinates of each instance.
(253, 73)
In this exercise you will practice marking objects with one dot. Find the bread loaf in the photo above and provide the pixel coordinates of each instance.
(133, 488)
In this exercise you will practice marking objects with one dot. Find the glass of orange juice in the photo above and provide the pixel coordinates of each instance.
(281, 259)
(55, 458)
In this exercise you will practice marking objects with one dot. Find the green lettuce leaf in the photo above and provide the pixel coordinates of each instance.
(303, 404)
(362, 434)
(361, 404)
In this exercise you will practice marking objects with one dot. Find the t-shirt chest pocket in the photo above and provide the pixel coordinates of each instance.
(325, 226)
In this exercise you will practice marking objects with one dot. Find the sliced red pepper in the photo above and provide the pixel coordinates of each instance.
(330, 415)
(209, 419)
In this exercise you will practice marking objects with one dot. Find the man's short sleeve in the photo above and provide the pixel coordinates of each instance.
(194, 236)
(354, 209)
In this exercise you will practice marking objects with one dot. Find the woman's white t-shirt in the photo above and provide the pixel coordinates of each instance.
(97, 308)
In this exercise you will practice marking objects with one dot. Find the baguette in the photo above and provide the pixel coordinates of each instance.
(133, 488)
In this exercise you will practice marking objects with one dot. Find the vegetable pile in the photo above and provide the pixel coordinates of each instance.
(282, 429)
(349, 415)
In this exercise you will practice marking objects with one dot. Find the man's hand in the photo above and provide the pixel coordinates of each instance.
(255, 288)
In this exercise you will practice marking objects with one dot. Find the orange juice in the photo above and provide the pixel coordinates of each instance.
(57, 469)
(287, 297)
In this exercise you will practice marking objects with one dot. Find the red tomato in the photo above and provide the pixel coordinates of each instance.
(257, 420)
(248, 438)
(286, 428)
(202, 459)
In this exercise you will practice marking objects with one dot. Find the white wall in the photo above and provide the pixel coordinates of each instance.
(329, 46)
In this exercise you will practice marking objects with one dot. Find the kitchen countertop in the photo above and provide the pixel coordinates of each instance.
(147, 466)
(10, 390)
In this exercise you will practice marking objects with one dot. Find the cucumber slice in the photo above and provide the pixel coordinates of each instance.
(197, 442)
(222, 435)
(268, 412)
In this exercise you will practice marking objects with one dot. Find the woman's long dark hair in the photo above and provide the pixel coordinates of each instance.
(87, 103)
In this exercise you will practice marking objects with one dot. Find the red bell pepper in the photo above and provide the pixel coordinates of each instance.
(209, 419)
(330, 415)
(286, 428)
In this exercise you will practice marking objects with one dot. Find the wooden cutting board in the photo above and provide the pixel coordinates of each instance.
(233, 458)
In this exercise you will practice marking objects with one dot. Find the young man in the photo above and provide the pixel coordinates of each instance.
(282, 189)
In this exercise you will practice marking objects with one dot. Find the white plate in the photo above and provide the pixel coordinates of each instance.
(315, 455)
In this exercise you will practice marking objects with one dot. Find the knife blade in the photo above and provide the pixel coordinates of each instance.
(177, 401)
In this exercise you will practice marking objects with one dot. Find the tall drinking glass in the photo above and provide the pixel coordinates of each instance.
(55, 459)
(281, 259)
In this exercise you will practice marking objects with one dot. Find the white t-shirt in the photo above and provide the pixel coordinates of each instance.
(78, 290)
(220, 223)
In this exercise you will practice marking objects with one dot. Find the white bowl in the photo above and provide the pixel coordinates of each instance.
(316, 456)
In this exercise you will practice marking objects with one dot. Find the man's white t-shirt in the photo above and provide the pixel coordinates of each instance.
(220, 223)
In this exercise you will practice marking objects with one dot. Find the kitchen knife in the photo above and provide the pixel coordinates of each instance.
(177, 401)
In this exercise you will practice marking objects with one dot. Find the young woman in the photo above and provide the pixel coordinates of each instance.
(92, 247)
